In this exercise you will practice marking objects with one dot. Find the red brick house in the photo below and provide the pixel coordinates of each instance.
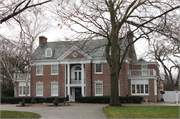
(77, 68)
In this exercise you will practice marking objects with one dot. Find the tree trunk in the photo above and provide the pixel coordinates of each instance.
(27, 79)
(15, 91)
(114, 100)
(114, 70)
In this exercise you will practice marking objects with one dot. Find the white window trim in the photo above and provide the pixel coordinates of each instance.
(140, 87)
(57, 70)
(36, 88)
(46, 52)
(36, 70)
(101, 69)
(57, 89)
(95, 88)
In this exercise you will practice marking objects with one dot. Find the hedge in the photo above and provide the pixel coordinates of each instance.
(106, 99)
(9, 92)
(16, 100)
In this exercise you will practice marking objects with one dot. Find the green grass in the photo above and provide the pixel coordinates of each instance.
(17, 114)
(142, 112)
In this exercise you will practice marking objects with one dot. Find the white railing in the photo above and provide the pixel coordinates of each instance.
(77, 81)
(21, 76)
(136, 72)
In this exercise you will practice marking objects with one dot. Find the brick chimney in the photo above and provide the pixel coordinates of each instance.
(130, 35)
(131, 53)
(42, 39)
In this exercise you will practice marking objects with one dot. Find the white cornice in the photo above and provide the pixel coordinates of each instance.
(143, 77)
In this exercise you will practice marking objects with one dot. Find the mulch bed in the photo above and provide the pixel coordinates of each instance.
(42, 105)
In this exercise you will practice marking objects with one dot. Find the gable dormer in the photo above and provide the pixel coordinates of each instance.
(49, 52)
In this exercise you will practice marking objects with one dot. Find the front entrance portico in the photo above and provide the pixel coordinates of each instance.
(75, 78)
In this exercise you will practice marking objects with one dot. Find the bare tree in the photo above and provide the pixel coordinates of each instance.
(31, 27)
(12, 60)
(11, 8)
(110, 20)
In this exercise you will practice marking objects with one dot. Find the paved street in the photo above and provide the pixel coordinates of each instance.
(75, 111)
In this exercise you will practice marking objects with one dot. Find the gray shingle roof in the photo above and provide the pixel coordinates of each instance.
(93, 48)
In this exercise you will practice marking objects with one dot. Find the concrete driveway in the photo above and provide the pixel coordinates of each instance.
(75, 111)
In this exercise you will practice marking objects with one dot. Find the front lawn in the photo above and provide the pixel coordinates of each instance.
(17, 114)
(142, 112)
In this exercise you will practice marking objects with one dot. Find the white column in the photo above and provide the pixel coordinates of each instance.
(68, 78)
(82, 79)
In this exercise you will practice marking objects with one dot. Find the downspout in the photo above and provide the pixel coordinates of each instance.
(91, 80)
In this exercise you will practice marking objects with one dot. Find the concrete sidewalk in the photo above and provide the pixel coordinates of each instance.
(74, 111)
(154, 104)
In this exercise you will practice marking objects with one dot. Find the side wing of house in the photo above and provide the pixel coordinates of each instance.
(144, 80)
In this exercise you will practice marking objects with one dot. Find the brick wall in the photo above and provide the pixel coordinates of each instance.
(47, 78)
(105, 77)
(124, 80)
(62, 80)
(88, 79)
(152, 97)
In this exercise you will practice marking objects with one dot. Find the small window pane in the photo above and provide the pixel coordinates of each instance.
(75, 75)
(146, 89)
(98, 67)
(20, 90)
(24, 90)
(79, 75)
(133, 89)
(138, 89)
(54, 69)
(142, 88)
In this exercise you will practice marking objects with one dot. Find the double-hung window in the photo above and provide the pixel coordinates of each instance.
(54, 69)
(144, 70)
(140, 89)
(39, 89)
(54, 89)
(24, 90)
(99, 89)
(20, 90)
(98, 68)
(39, 70)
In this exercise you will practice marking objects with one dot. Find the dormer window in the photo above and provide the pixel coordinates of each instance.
(48, 52)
